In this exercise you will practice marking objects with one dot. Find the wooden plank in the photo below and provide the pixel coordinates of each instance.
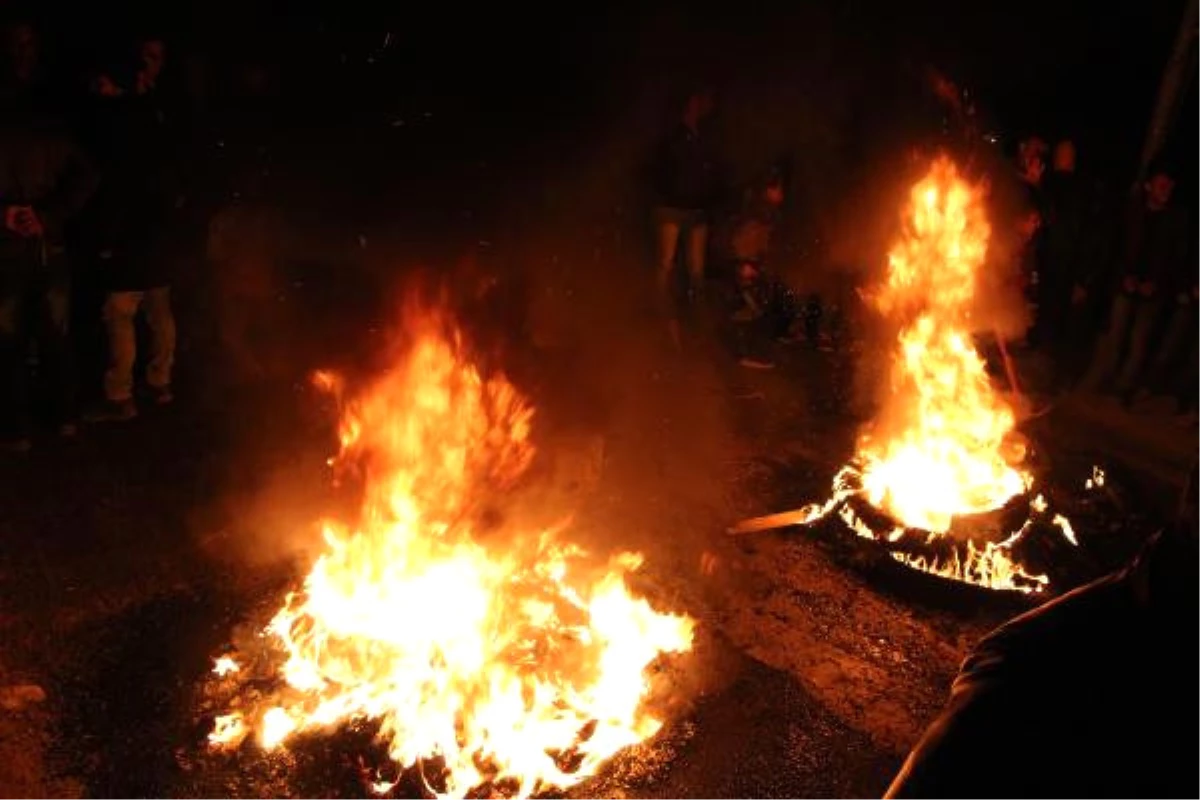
(799, 516)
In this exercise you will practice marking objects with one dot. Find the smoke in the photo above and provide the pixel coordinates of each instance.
(549, 266)
(275, 487)
(865, 223)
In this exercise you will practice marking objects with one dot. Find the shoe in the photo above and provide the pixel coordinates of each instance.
(757, 363)
(19, 446)
(113, 411)
(67, 430)
(160, 395)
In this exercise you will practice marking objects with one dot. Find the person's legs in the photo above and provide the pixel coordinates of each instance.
(1110, 343)
(1181, 327)
(1187, 379)
(752, 326)
(1145, 318)
(1076, 339)
(119, 311)
(14, 391)
(668, 227)
(781, 308)
(812, 316)
(157, 306)
(697, 250)
(55, 351)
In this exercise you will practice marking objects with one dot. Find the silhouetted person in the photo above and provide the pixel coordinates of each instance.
(1092, 695)
(140, 195)
(44, 180)
(1062, 287)
(688, 186)
(1154, 248)
(764, 306)
(1031, 171)
(1176, 367)
(1028, 222)
(21, 81)
(1031, 168)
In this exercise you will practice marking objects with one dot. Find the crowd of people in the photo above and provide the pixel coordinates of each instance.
(691, 183)
(1115, 288)
(101, 183)
(1111, 292)
(95, 186)
(112, 185)
(1110, 288)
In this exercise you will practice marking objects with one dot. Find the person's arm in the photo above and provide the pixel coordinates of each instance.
(74, 183)
(1027, 713)
(957, 755)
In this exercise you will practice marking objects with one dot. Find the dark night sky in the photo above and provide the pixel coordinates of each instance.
(1054, 66)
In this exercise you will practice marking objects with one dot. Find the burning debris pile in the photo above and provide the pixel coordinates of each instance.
(487, 656)
(943, 447)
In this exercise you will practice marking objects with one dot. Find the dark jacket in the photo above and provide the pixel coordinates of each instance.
(1065, 229)
(141, 181)
(1155, 244)
(40, 166)
(687, 171)
(1091, 695)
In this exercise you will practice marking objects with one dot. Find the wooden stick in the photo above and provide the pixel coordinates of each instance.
(1008, 365)
(799, 516)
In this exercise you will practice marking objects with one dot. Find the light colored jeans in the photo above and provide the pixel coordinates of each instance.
(120, 309)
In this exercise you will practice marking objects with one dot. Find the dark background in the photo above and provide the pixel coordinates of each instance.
(524, 82)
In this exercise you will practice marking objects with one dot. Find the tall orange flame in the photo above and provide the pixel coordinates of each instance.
(507, 656)
(941, 446)
(938, 448)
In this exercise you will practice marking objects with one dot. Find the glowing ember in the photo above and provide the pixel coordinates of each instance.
(501, 657)
(227, 728)
(225, 666)
(941, 446)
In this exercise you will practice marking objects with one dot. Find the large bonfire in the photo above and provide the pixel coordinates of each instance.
(503, 658)
(942, 445)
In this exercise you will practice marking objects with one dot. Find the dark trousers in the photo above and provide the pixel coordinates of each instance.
(1187, 383)
(1079, 329)
(1175, 369)
(34, 306)
(1123, 348)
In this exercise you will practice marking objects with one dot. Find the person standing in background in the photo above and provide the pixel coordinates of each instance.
(142, 191)
(1154, 248)
(44, 181)
(1062, 289)
(687, 187)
